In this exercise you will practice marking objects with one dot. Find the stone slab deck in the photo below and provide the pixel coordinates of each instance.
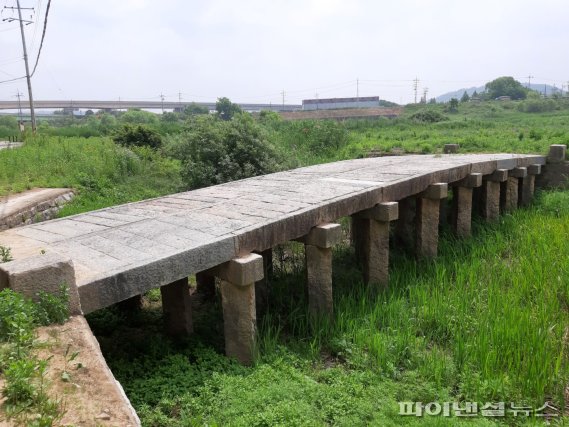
(125, 250)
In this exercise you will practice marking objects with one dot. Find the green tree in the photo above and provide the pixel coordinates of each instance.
(138, 135)
(215, 151)
(194, 109)
(169, 117)
(506, 86)
(226, 109)
(465, 97)
(138, 117)
(453, 105)
(475, 94)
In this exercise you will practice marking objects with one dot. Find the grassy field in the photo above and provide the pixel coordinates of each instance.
(103, 173)
(487, 322)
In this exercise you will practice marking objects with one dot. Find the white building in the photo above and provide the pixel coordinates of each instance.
(339, 103)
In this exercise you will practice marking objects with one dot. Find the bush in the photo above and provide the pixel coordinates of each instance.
(318, 137)
(214, 151)
(138, 135)
(428, 116)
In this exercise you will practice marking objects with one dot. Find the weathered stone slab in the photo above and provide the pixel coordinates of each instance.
(119, 283)
(41, 273)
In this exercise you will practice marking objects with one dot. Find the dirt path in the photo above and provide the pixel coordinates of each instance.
(91, 395)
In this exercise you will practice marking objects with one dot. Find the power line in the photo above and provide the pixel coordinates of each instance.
(42, 36)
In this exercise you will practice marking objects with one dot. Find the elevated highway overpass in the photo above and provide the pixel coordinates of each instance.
(151, 105)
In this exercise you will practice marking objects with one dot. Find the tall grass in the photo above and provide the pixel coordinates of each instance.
(103, 173)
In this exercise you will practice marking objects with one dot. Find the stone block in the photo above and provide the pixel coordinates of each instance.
(534, 169)
(324, 236)
(557, 153)
(45, 273)
(499, 175)
(519, 172)
(471, 181)
(242, 271)
(451, 148)
(435, 191)
(554, 175)
(385, 212)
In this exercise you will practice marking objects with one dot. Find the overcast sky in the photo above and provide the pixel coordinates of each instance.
(251, 50)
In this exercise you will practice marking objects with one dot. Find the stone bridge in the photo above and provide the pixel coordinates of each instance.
(227, 232)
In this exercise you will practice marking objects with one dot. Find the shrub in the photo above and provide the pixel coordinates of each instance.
(213, 151)
(428, 116)
(53, 308)
(138, 135)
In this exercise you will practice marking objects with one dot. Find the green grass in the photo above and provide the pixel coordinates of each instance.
(487, 322)
(103, 174)
(487, 127)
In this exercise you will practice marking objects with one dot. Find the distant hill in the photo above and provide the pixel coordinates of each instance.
(458, 93)
(542, 88)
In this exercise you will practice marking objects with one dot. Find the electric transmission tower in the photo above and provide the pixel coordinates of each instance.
(415, 86)
(28, 77)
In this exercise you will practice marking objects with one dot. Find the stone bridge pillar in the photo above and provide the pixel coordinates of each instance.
(527, 185)
(462, 203)
(491, 194)
(318, 252)
(509, 190)
(375, 241)
(428, 207)
(177, 308)
(404, 234)
(238, 278)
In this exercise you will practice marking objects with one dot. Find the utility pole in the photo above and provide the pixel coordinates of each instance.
(28, 77)
(19, 96)
(283, 94)
(358, 92)
(162, 102)
(425, 91)
(529, 81)
(180, 101)
(415, 86)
